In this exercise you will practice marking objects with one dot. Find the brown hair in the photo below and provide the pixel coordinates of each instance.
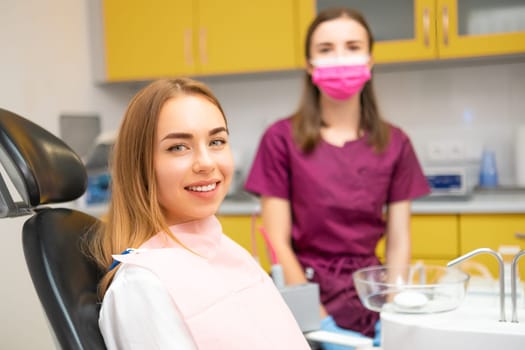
(134, 213)
(307, 120)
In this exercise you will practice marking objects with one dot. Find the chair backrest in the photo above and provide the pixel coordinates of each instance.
(44, 170)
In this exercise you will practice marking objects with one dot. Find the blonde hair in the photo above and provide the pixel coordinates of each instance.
(134, 213)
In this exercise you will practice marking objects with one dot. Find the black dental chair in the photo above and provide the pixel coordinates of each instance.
(44, 170)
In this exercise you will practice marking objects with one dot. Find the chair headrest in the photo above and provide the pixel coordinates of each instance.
(42, 168)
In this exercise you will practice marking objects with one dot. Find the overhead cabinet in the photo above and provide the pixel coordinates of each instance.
(150, 39)
(419, 30)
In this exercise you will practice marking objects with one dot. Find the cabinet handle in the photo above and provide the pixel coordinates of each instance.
(445, 25)
(426, 26)
(188, 56)
(519, 235)
(203, 43)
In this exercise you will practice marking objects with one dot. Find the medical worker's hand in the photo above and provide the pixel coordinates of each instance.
(377, 336)
(328, 324)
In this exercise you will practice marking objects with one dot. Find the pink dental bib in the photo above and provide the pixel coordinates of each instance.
(226, 300)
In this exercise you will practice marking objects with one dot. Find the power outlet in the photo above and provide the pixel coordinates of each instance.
(446, 150)
(455, 150)
(435, 150)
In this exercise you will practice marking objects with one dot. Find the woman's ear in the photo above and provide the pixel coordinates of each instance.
(309, 67)
(371, 62)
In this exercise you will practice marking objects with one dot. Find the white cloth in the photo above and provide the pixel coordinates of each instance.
(139, 313)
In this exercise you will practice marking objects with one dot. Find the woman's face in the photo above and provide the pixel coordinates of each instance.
(339, 37)
(192, 159)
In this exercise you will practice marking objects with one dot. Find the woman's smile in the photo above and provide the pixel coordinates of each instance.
(193, 160)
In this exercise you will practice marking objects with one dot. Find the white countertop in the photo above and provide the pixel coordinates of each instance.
(475, 324)
(481, 201)
(485, 201)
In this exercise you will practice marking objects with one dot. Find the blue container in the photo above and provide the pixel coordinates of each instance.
(488, 172)
(98, 188)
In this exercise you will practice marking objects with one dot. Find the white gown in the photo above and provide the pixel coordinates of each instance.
(138, 313)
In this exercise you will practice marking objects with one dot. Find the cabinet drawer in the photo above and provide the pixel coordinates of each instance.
(239, 228)
(492, 231)
(433, 237)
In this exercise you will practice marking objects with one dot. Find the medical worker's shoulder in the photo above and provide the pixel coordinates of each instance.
(398, 138)
(281, 128)
(396, 133)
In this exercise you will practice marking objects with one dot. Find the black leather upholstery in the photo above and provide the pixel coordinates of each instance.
(48, 170)
(44, 170)
(64, 279)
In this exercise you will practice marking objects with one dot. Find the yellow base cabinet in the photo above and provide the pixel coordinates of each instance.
(239, 228)
(161, 38)
(434, 239)
(492, 231)
(419, 30)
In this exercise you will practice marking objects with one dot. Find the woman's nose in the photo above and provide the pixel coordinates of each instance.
(203, 161)
(341, 52)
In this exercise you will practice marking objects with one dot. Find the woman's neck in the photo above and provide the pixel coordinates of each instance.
(342, 120)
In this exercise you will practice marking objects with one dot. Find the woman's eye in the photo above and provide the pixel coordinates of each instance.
(217, 142)
(354, 47)
(177, 148)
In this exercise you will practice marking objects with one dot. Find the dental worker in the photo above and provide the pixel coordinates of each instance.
(174, 280)
(335, 177)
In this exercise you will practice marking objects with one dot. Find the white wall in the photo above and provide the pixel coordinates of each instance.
(45, 71)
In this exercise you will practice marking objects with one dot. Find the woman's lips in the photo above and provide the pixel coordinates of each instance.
(203, 188)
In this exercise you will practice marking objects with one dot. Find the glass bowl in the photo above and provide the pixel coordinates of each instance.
(415, 289)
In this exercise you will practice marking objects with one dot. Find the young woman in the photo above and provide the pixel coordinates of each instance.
(335, 177)
(179, 282)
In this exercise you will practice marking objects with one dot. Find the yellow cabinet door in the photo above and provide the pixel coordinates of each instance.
(403, 30)
(147, 40)
(469, 28)
(163, 38)
(246, 36)
(434, 239)
(239, 228)
(418, 30)
(306, 12)
(492, 231)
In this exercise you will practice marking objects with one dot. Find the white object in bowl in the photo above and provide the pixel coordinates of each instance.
(410, 299)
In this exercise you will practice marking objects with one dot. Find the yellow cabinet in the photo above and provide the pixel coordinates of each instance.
(240, 228)
(492, 231)
(435, 239)
(418, 30)
(159, 38)
(480, 27)
(144, 40)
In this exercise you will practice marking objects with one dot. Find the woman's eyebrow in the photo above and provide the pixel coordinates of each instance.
(323, 44)
(185, 135)
(218, 130)
(177, 135)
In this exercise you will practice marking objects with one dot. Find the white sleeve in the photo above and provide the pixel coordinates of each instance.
(138, 313)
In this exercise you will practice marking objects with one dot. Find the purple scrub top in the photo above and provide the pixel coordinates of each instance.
(337, 197)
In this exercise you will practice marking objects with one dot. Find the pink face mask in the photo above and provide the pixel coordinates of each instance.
(341, 78)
